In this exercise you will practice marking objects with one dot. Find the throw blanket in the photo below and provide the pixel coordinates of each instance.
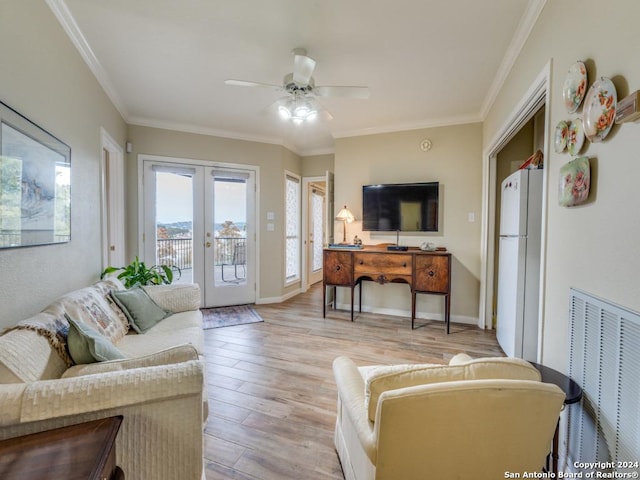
(51, 327)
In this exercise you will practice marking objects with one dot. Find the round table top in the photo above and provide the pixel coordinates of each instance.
(571, 389)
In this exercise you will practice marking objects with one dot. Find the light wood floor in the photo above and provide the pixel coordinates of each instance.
(272, 397)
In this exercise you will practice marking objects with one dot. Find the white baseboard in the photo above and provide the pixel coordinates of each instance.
(280, 299)
(407, 313)
(382, 311)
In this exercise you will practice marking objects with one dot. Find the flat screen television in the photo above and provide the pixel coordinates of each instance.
(405, 207)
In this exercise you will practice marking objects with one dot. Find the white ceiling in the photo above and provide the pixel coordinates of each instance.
(427, 62)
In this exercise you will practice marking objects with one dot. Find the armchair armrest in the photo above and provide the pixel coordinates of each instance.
(351, 403)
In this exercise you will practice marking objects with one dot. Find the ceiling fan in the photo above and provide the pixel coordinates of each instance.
(300, 105)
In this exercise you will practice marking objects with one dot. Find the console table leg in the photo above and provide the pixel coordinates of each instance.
(352, 303)
(324, 301)
(447, 313)
(360, 297)
(413, 309)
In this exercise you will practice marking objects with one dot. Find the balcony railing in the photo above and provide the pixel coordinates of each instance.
(179, 251)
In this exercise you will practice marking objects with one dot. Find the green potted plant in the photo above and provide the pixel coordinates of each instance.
(137, 273)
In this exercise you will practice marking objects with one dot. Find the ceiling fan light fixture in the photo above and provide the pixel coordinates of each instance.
(298, 110)
(284, 112)
(301, 111)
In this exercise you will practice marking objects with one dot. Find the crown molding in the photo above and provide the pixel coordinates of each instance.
(212, 132)
(523, 30)
(64, 17)
(402, 127)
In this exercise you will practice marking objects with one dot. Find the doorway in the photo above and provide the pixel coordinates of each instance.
(316, 226)
(112, 180)
(201, 218)
(536, 97)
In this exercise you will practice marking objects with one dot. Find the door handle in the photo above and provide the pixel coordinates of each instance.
(207, 244)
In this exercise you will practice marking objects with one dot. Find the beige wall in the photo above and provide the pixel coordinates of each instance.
(273, 160)
(44, 78)
(455, 162)
(594, 246)
(317, 165)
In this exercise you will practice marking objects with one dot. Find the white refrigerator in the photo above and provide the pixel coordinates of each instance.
(519, 264)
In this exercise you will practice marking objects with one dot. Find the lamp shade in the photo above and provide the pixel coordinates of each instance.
(345, 215)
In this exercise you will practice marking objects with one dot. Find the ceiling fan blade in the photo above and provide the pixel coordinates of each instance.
(351, 92)
(303, 67)
(244, 83)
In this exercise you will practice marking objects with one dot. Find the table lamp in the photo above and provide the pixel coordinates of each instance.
(345, 216)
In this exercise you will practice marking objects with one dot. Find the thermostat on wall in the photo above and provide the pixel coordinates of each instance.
(628, 108)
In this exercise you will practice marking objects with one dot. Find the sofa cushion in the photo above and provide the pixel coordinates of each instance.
(87, 345)
(181, 353)
(142, 312)
(176, 298)
(134, 345)
(392, 377)
(93, 306)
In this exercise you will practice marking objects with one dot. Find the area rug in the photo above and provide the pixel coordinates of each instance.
(229, 316)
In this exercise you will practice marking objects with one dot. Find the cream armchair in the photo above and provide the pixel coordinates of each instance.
(471, 419)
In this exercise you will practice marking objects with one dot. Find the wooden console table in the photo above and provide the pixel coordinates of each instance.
(85, 451)
(424, 272)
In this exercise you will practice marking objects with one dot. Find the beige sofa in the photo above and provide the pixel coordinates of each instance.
(158, 388)
(470, 420)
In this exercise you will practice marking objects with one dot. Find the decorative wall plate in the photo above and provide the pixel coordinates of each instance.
(599, 110)
(575, 139)
(575, 86)
(575, 178)
(560, 137)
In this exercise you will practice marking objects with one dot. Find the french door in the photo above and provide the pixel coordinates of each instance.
(316, 228)
(202, 220)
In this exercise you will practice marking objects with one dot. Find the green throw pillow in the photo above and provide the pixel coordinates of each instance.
(142, 312)
(87, 345)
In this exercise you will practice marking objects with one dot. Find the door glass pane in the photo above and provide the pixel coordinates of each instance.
(317, 201)
(230, 227)
(174, 222)
(292, 206)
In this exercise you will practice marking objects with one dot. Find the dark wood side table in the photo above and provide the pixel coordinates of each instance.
(85, 451)
(573, 394)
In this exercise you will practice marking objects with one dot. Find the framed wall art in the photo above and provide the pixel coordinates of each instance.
(35, 184)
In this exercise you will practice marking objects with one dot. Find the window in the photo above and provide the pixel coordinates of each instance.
(292, 229)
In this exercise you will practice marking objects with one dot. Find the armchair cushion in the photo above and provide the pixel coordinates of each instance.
(392, 377)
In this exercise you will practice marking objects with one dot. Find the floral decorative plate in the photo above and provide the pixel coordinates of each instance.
(575, 86)
(575, 178)
(599, 110)
(560, 138)
(575, 138)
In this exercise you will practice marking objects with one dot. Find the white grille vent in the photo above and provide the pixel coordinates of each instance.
(604, 359)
